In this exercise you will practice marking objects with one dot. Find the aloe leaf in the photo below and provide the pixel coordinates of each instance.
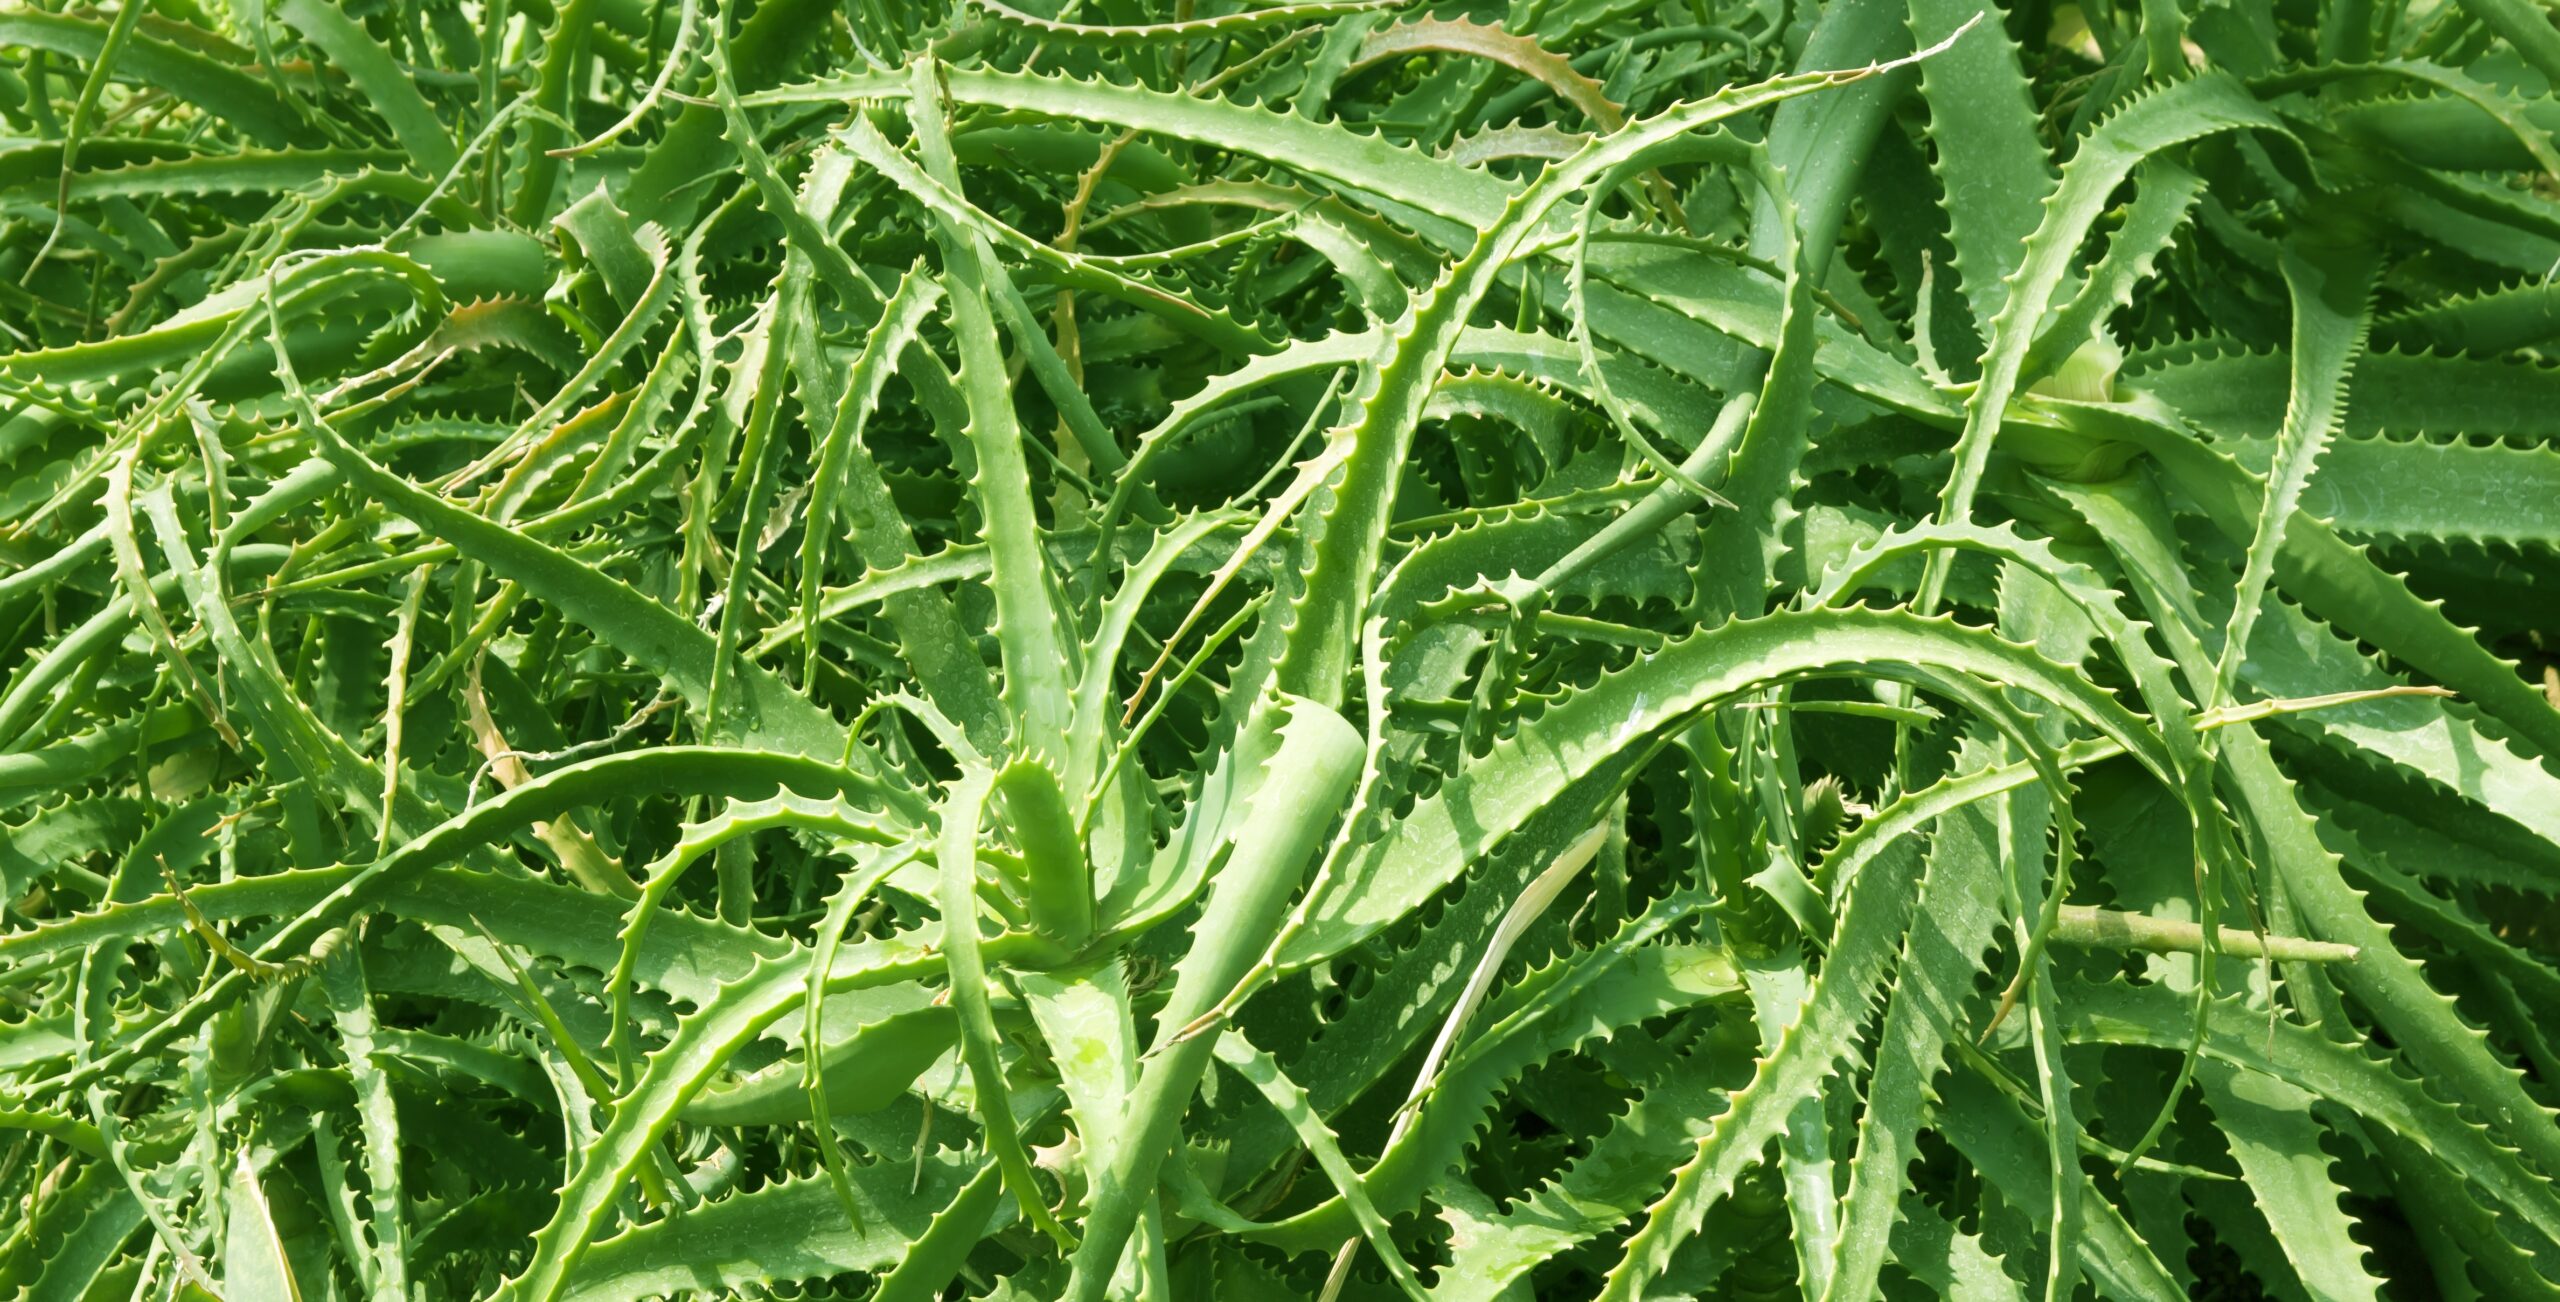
(1037, 660)
(1392, 394)
(2278, 1147)
(2330, 318)
(1924, 1016)
(792, 1230)
(1901, 647)
(675, 1074)
(2388, 982)
(646, 629)
(2170, 116)
(254, 1261)
(1306, 775)
(1809, 1049)
(389, 91)
(958, 856)
(2306, 1060)
(235, 95)
(2003, 1145)
(342, 981)
(1995, 184)
(1620, 984)
(1283, 1094)
(2167, 194)
(2338, 581)
(1579, 733)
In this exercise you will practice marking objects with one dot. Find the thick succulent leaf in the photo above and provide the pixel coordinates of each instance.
(656, 647)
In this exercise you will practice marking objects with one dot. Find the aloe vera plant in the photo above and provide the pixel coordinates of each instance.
(1562, 649)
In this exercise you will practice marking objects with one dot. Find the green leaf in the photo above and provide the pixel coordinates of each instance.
(386, 89)
(253, 1254)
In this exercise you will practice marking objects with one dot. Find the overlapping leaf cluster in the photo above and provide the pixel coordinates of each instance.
(1557, 649)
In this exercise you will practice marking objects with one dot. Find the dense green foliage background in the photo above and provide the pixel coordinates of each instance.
(1565, 649)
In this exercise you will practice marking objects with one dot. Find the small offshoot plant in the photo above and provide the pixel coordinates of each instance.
(1543, 650)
